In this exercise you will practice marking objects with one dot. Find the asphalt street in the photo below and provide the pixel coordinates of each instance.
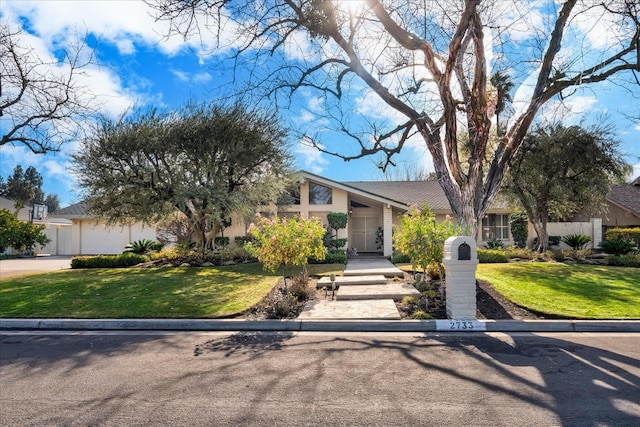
(112, 378)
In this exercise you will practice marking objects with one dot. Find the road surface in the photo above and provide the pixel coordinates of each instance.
(318, 379)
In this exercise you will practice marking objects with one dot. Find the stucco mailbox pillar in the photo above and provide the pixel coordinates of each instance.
(460, 263)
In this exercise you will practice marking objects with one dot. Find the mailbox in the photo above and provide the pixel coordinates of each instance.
(460, 263)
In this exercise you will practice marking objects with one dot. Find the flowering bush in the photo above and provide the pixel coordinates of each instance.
(281, 242)
(422, 239)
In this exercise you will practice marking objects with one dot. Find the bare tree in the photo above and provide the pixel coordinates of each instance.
(427, 62)
(42, 101)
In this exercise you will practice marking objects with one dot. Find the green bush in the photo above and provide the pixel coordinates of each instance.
(398, 258)
(494, 244)
(632, 234)
(624, 260)
(220, 241)
(491, 256)
(337, 256)
(554, 240)
(617, 246)
(421, 315)
(241, 240)
(142, 247)
(576, 241)
(519, 229)
(108, 261)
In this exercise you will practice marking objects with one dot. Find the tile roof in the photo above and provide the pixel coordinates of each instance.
(626, 196)
(72, 211)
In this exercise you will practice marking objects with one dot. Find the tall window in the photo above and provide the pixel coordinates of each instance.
(319, 194)
(495, 226)
(290, 197)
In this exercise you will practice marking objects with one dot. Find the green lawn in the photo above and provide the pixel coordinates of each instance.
(570, 291)
(140, 293)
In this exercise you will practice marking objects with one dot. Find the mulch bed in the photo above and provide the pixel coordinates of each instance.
(490, 303)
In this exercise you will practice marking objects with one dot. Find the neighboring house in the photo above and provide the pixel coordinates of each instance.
(623, 206)
(58, 230)
(91, 236)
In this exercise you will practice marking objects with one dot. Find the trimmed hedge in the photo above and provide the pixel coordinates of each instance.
(632, 234)
(108, 261)
(491, 256)
(332, 257)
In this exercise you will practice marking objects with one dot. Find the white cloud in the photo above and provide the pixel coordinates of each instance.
(203, 77)
(53, 168)
(637, 127)
(311, 158)
(181, 75)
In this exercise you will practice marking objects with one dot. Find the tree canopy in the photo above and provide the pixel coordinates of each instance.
(423, 69)
(206, 161)
(562, 171)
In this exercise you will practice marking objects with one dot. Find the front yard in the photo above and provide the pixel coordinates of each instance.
(568, 290)
(551, 289)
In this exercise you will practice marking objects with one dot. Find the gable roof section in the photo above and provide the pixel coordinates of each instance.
(77, 210)
(407, 192)
(626, 197)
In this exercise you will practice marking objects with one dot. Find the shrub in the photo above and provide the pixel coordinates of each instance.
(337, 256)
(494, 244)
(491, 256)
(421, 238)
(398, 258)
(234, 254)
(242, 240)
(617, 246)
(632, 234)
(554, 240)
(221, 241)
(21, 236)
(142, 247)
(421, 315)
(576, 241)
(624, 260)
(525, 253)
(519, 229)
(108, 261)
(283, 242)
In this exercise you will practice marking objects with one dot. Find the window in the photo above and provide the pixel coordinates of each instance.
(319, 194)
(290, 197)
(495, 226)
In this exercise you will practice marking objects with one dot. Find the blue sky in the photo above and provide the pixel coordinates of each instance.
(136, 65)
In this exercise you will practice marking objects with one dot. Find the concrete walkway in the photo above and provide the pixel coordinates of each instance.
(366, 291)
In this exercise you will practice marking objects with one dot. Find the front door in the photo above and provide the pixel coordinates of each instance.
(363, 233)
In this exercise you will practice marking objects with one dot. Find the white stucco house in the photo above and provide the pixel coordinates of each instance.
(370, 205)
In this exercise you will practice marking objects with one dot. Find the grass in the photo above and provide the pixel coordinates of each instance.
(182, 292)
(568, 291)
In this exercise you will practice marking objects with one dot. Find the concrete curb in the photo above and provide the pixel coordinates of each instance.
(297, 325)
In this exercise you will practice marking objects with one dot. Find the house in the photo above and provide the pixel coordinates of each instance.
(371, 205)
(91, 236)
(57, 229)
(374, 207)
(623, 206)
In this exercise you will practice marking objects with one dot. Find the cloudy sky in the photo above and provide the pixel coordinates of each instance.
(136, 65)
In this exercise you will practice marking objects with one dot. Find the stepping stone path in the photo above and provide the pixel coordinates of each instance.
(363, 292)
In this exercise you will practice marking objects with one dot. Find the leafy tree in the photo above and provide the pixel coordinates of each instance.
(52, 201)
(422, 239)
(426, 62)
(562, 171)
(23, 185)
(279, 243)
(206, 161)
(21, 236)
(41, 106)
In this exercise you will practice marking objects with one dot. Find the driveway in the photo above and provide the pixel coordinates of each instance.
(18, 266)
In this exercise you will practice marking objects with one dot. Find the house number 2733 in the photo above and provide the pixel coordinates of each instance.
(460, 325)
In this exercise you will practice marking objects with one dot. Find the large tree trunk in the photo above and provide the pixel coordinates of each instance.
(540, 228)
